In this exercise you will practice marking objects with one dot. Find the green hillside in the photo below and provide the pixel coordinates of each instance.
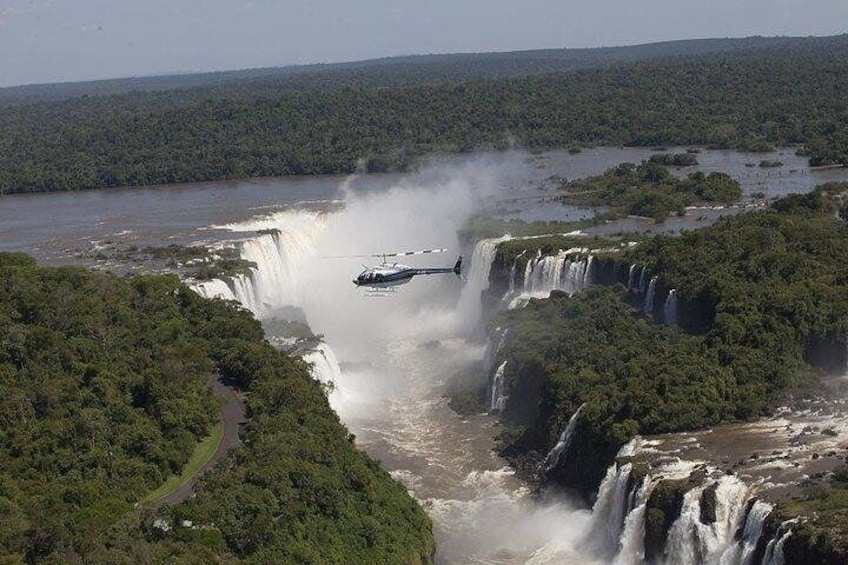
(104, 396)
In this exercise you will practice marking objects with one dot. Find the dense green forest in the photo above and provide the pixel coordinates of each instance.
(747, 99)
(104, 394)
(407, 70)
(649, 189)
(765, 294)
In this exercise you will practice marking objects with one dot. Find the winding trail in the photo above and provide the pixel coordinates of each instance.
(232, 416)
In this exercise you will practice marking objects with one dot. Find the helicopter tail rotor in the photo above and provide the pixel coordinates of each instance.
(457, 269)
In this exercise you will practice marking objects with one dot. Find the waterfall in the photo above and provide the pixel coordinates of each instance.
(512, 272)
(774, 550)
(611, 506)
(470, 304)
(562, 271)
(618, 515)
(632, 545)
(751, 526)
(648, 307)
(279, 248)
(643, 280)
(497, 399)
(493, 347)
(631, 277)
(215, 288)
(670, 308)
(617, 532)
(325, 365)
(552, 460)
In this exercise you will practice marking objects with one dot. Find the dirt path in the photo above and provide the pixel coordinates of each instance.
(232, 416)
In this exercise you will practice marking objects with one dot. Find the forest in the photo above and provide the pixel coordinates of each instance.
(105, 394)
(748, 99)
(763, 292)
(649, 189)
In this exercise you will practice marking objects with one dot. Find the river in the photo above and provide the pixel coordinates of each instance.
(390, 357)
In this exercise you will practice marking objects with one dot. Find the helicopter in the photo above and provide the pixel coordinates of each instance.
(393, 274)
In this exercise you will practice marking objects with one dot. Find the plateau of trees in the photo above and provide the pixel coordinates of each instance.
(103, 394)
(751, 100)
(649, 189)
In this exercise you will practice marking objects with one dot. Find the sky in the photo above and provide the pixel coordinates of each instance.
(68, 40)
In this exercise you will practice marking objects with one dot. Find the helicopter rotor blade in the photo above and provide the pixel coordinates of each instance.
(398, 254)
(404, 253)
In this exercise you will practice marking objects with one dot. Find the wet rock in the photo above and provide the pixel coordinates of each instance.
(708, 504)
(662, 509)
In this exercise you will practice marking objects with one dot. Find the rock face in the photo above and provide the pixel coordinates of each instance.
(663, 508)
(708, 504)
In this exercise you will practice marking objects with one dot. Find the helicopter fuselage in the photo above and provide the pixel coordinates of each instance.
(395, 274)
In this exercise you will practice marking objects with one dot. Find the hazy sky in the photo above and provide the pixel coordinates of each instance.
(61, 40)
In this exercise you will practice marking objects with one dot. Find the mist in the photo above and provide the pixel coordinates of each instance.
(389, 357)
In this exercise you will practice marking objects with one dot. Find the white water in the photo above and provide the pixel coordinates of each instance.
(399, 352)
(565, 439)
(743, 551)
(610, 509)
(497, 400)
(618, 516)
(648, 307)
(469, 306)
(631, 277)
(670, 308)
(565, 271)
(690, 540)
(395, 355)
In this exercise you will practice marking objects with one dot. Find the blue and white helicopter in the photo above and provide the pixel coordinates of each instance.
(393, 274)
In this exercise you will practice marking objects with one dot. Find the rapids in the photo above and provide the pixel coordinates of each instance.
(387, 360)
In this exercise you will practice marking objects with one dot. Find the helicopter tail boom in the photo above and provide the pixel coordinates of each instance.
(456, 269)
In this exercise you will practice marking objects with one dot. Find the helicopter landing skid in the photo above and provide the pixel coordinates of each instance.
(380, 292)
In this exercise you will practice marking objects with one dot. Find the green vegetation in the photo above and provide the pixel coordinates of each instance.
(650, 190)
(196, 261)
(674, 160)
(822, 536)
(202, 453)
(765, 294)
(104, 397)
(783, 93)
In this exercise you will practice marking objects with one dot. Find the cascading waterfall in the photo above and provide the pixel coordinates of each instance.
(774, 550)
(565, 439)
(611, 507)
(643, 281)
(497, 398)
(752, 529)
(562, 271)
(648, 307)
(512, 272)
(617, 530)
(493, 347)
(283, 243)
(690, 540)
(632, 547)
(325, 365)
(470, 306)
(215, 288)
(618, 516)
(670, 308)
(631, 277)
